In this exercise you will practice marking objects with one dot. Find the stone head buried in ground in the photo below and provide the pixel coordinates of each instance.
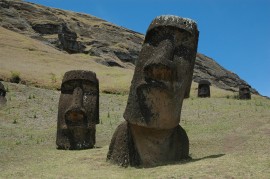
(151, 134)
(78, 110)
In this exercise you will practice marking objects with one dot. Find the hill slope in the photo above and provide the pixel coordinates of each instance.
(102, 41)
(44, 66)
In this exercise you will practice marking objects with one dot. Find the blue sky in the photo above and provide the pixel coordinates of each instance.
(236, 33)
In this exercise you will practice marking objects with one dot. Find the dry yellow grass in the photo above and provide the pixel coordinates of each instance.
(42, 65)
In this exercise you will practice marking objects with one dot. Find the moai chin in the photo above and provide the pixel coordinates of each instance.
(204, 89)
(151, 134)
(3, 99)
(244, 92)
(78, 110)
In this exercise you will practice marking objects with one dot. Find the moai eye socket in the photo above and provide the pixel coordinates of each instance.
(89, 88)
(157, 35)
(69, 86)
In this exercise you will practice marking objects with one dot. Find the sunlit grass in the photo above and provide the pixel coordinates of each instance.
(228, 138)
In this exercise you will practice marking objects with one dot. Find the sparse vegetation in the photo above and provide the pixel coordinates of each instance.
(15, 77)
(227, 141)
(53, 78)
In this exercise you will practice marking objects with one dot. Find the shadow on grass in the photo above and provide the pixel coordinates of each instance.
(185, 161)
(207, 157)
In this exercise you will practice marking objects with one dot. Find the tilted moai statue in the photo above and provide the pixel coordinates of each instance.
(3, 99)
(204, 89)
(78, 110)
(151, 134)
(244, 92)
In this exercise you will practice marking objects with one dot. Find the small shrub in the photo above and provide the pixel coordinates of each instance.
(14, 121)
(15, 77)
(53, 78)
(18, 142)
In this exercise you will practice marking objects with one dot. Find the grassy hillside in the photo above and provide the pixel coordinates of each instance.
(41, 65)
(229, 138)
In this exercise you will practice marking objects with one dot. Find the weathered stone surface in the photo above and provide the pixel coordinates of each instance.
(68, 40)
(78, 110)
(204, 89)
(46, 27)
(151, 134)
(3, 99)
(110, 44)
(244, 92)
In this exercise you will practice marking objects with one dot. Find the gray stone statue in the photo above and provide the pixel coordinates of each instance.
(244, 91)
(78, 110)
(151, 134)
(204, 89)
(3, 99)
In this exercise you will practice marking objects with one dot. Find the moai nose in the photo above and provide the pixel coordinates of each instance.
(77, 97)
(160, 66)
(76, 112)
(165, 51)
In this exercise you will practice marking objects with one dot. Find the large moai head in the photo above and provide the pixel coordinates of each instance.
(204, 88)
(78, 110)
(163, 72)
(244, 92)
(3, 99)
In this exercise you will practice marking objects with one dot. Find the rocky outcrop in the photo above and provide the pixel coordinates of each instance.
(73, 32)
(82, 33)
(68, 40)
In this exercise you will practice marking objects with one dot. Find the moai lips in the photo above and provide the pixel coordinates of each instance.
(3, 99)
(78, 110)
(204, 89)
(162, 74)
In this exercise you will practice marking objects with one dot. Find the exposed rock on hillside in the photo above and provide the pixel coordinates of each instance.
(81, 33)
(72, 32)
(207, 68)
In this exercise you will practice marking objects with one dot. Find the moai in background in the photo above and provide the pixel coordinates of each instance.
(204, 89)
(78, 110)
(3, 99)
(244, 92)
(151, 134)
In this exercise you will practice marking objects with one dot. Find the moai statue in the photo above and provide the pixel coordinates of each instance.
(204, 89)
(3, 99)
(244, 92)
(78, 110)
(151, 134)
